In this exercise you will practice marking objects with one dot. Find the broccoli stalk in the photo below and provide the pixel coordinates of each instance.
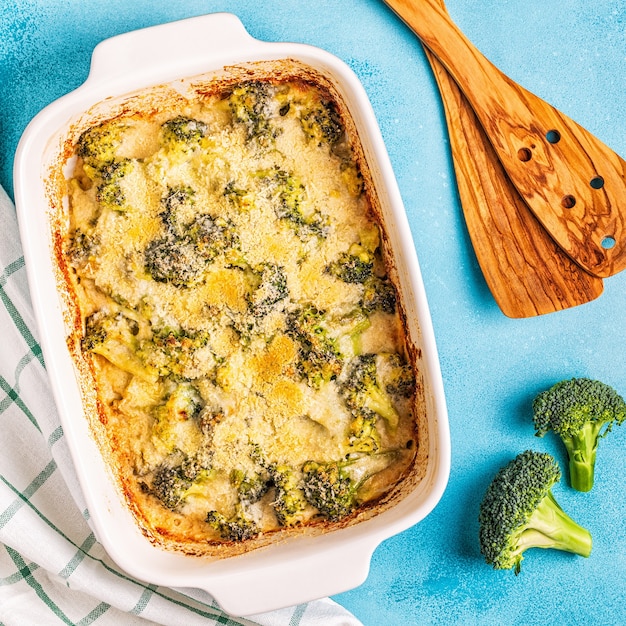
(581, 451)
(581, 411)
(518, 512)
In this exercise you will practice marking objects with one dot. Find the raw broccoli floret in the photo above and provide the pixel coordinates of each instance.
(519, 511)
(172, 484)
(363, 394)
(322, 123)
(235, 528)
(250, 104)
(319, 359)
(581, 411)
(333, 488)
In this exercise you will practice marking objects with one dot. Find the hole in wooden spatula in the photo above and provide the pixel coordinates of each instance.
(524, 154)
(597, 182)
(608, 242)
(568, 202)
(553, 136)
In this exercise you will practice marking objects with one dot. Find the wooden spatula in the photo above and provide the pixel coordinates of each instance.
(527, 273)
(574, 184)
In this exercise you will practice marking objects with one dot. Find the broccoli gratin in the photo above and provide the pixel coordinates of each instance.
(237, 317)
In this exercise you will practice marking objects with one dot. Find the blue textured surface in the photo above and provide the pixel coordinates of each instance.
(573, 54)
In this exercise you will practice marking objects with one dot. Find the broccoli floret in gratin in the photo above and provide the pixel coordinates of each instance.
(335, 488)
(97, 146)
(251, 105)
(288, 196)
(183, 133)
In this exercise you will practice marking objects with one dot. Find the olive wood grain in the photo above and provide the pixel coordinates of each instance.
(527, 273)
(574, 184)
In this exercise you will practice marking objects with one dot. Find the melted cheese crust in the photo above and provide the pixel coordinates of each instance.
(203, 370)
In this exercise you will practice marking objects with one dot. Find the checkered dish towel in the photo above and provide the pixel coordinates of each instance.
(52, 569)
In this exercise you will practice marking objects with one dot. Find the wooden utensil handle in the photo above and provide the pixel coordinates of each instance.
(527, 273)
(574, 184)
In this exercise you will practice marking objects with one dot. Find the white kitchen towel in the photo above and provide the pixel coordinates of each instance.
(52, 569)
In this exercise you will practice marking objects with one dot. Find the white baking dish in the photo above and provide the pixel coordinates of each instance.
(285, 573)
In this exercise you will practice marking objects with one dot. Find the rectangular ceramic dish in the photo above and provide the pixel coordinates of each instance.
(292, 571)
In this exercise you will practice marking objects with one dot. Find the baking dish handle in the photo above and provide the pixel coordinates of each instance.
(293, 581)
(140, 53)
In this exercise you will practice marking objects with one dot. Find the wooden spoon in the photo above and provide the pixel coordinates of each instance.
(527, 273)
(574, 184)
